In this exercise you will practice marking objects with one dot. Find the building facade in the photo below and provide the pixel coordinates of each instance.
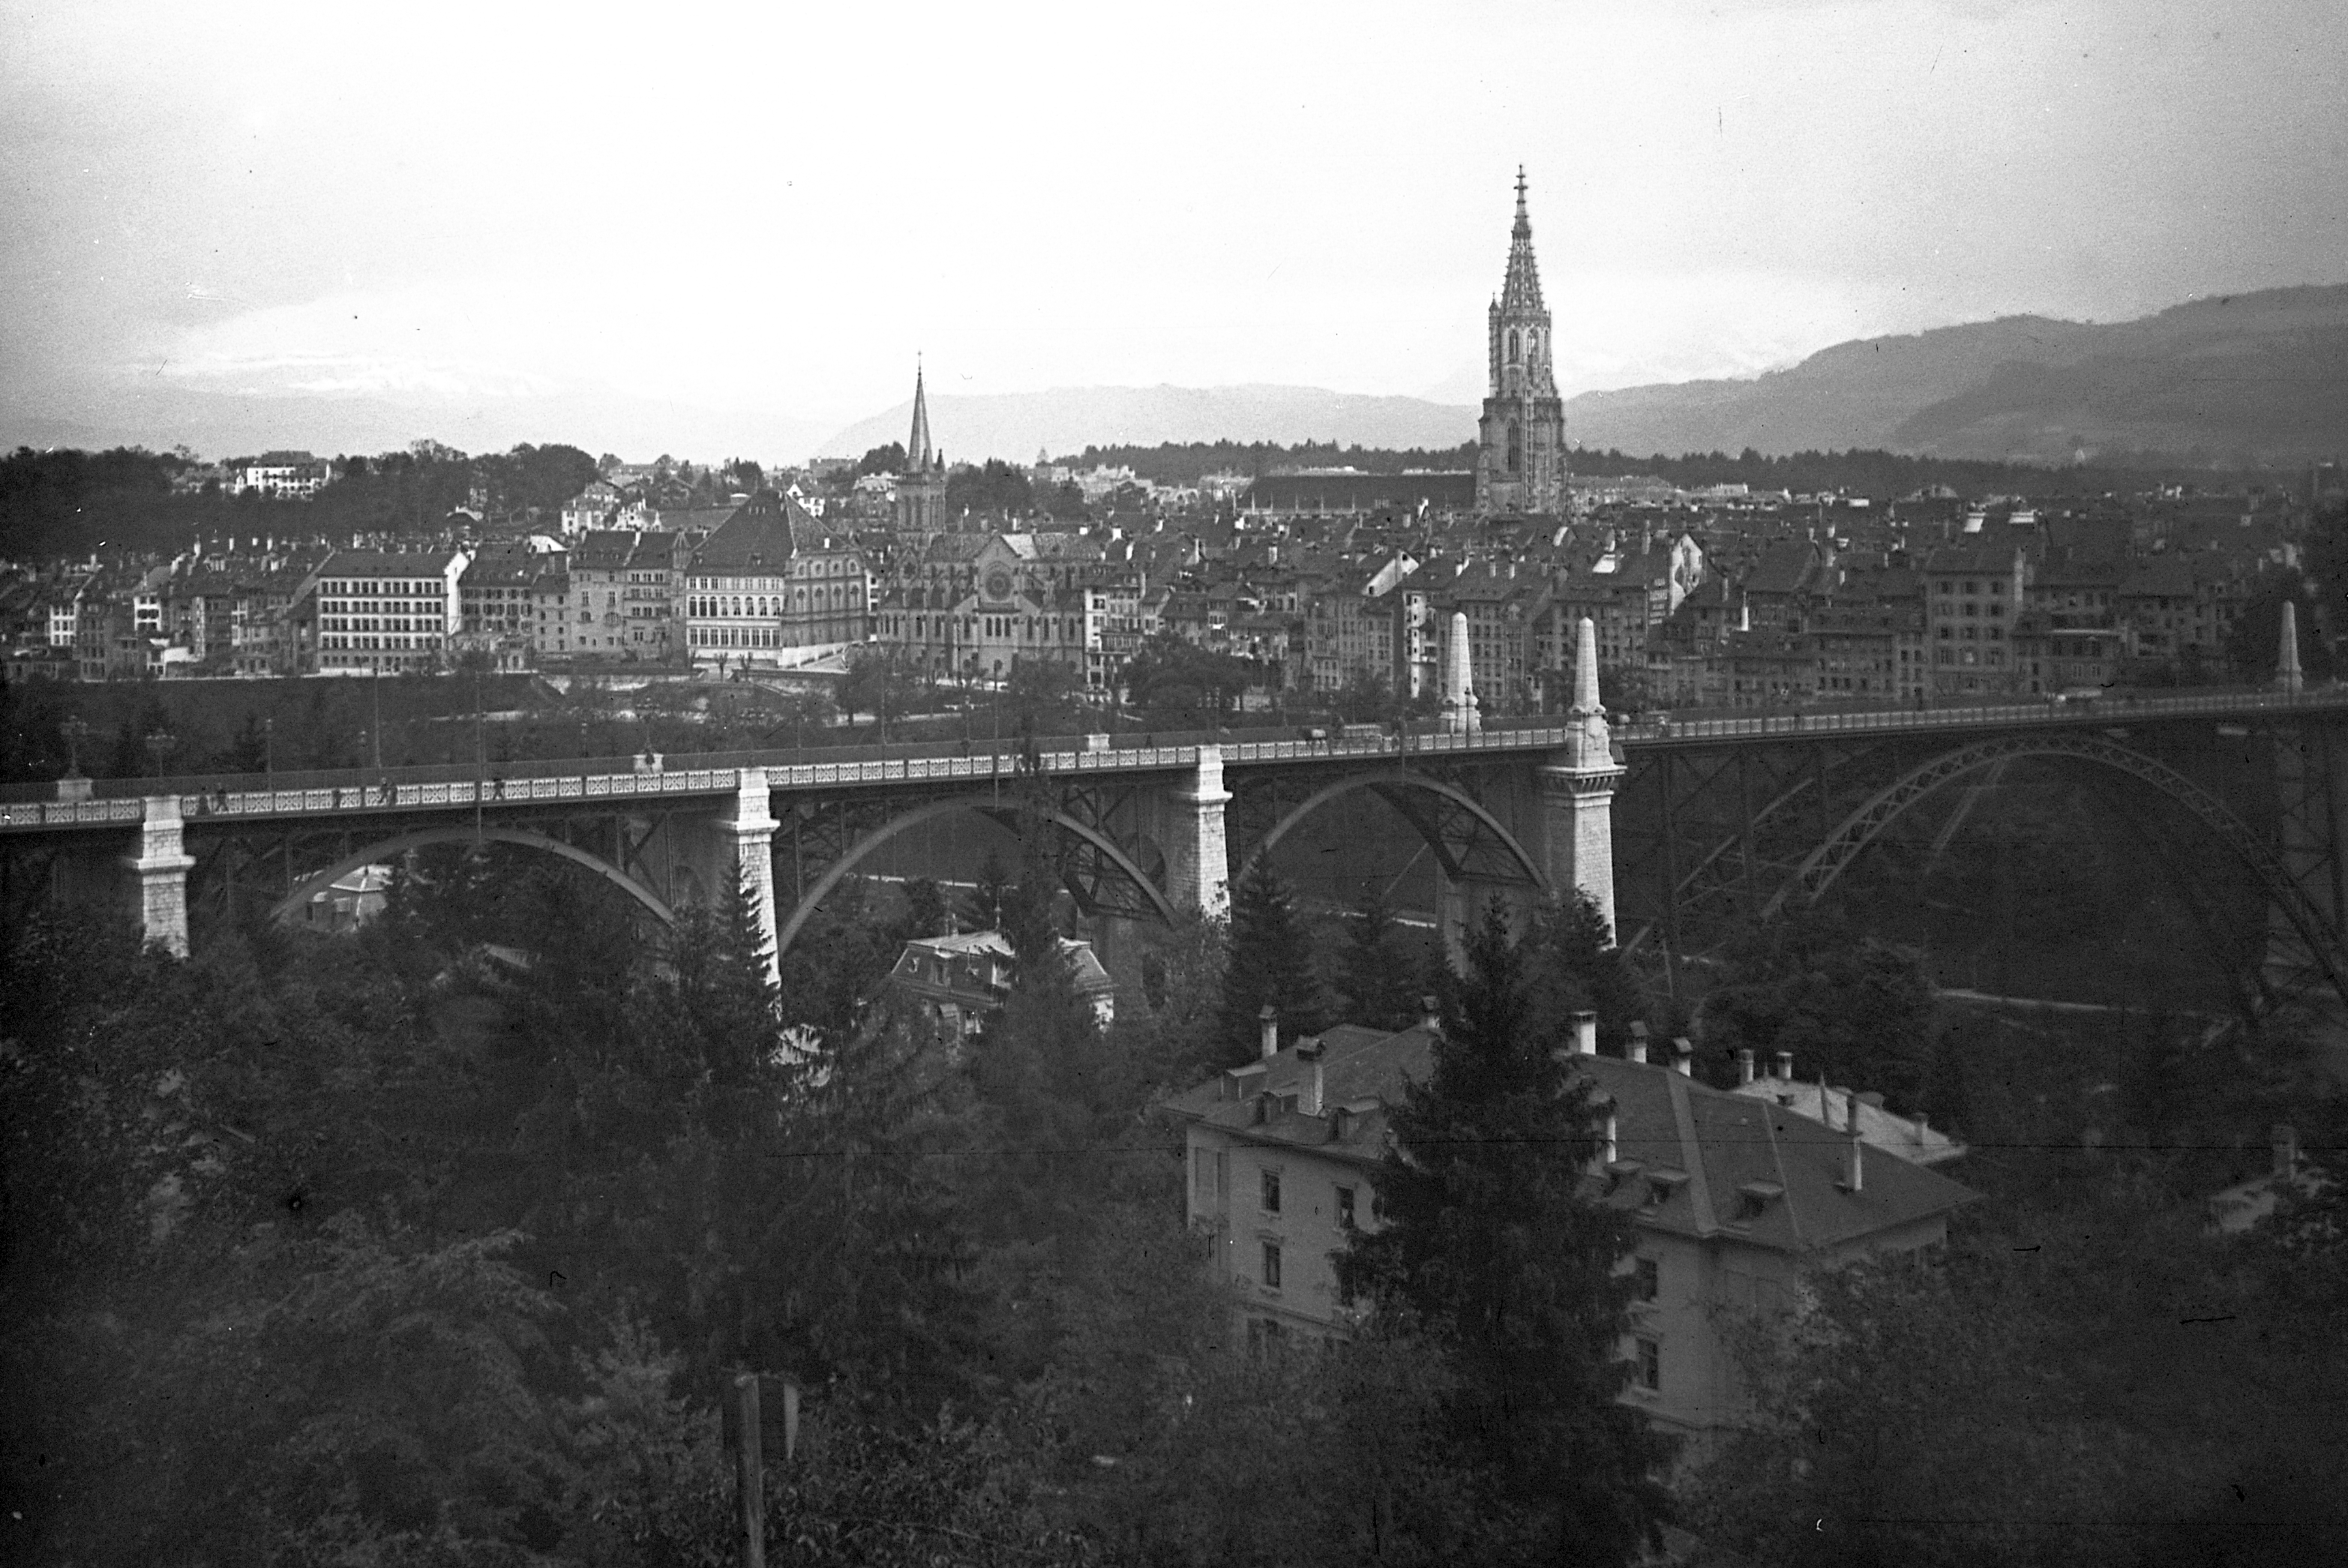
(770, 588)
(387, 613)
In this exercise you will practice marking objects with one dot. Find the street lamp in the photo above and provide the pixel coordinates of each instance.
(158, 744)
(76, 731)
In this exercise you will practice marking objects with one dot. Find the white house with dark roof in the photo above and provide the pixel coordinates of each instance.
(1734, 1195)
(961, 978)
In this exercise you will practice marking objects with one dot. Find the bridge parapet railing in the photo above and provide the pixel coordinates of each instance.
(444, 786)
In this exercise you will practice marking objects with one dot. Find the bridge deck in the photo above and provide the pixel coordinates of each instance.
(458, 786)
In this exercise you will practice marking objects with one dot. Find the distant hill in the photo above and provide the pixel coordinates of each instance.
(1015, 425)
(2243, 380)
(220, 424)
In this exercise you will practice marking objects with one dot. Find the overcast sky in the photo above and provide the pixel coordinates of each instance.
(772, 209)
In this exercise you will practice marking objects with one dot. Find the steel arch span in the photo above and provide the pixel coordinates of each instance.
(319, 882)
(839, 869)
(1818, 871)
(1395, 787)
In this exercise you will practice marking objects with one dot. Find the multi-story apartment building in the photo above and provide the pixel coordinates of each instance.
(1496, 602)
(387, 613)
(1734, 1195)
(771, 587)
(1973, 593)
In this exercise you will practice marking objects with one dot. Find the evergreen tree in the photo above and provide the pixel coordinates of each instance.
(1271, 963)
(1486, 1237)
(1572, 963)
(1378, 979)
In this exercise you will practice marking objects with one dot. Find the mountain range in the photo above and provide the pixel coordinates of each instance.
(2243, 380)
(2237, 381)
(1015, 425)
(2246, 380)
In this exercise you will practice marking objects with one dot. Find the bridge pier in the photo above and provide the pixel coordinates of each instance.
(1461, 904)
(160, 868)
(749, 832)
(1198, 852)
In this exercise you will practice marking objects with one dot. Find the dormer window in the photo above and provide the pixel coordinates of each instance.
(1753, 1199)
(1662, 1185)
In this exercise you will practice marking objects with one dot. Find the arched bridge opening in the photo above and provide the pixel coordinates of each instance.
(1825, 864)
(1470, 844)
(1099, 860)
(391, 848)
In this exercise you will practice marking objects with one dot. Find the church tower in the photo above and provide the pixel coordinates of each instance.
(921, 487)
(1520, 441)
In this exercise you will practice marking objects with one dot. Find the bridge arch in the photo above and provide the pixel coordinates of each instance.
(387, 849)
(1819, 868)
(905, 823)
(1396, 786)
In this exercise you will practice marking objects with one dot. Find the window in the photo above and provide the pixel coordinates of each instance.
(1272, 1192)
(1203, 1165)
(1345, 1208)
(1647, 1275)
(1651, 1364)
(1264, 1336)
(1272, 1265)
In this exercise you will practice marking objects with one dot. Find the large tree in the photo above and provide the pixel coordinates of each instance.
(1489, 1236)
(1269, 964)
(1380, 982)
(1844, 1003)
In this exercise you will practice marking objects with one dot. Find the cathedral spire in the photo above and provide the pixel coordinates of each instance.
(1520, 290)
(1520, 439)
(917, 445)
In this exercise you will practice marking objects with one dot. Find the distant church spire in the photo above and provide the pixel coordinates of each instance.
(921, 489)
(1520, 441)
(918, 456)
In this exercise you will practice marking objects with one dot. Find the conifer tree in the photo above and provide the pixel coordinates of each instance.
(1377, 978)
(1487, 1236)
(1271, 963)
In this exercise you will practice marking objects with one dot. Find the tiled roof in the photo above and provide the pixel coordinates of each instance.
(762, 534)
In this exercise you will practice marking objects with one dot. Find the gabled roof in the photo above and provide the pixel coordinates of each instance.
(761, 535)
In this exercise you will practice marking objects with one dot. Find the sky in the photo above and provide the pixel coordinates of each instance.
(666, 227)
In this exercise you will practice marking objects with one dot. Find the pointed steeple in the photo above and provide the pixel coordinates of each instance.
(1520, 289)
(918, 455)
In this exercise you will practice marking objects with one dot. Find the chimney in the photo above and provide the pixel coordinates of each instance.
(1744, 1064)
(1923, 1126)
(1430, 1013)
(2285, 1140)
(1310, 1101)
(1612, 1150)
(1683, 1056)
(1585, 1034)
(1267, 1027)
(1637, 1049)
(1858, 1164)
(1785, 1065)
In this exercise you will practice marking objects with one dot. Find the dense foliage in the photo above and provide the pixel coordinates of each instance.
(69, 503)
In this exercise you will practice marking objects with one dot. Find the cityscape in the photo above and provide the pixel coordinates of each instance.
(1749, 966)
